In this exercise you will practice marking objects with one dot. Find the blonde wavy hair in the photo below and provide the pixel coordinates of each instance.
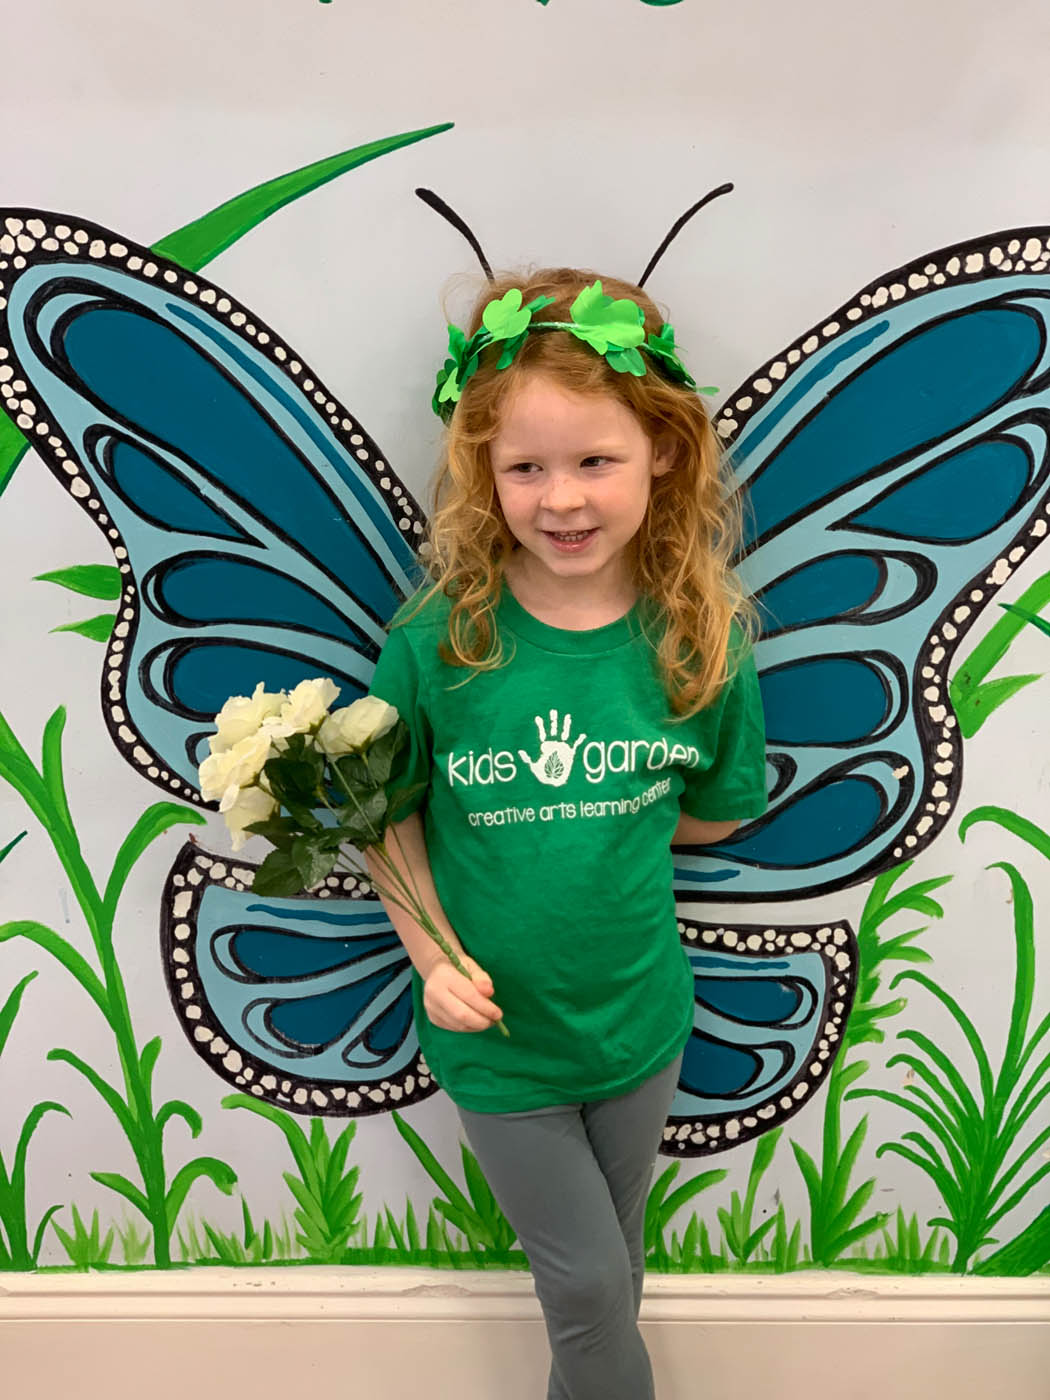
(683, 550)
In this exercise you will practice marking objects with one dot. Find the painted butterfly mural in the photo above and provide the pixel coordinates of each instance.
(895, 458)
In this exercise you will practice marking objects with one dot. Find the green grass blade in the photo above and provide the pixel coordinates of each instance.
(1022, 1109)
(103, 1088)
(1018, 1196)
(153, 822)
(73, 961)
(912, 1156)
(293, 1133)
(1009, 821)
(1038, 622)
(100, 581)
(41, 1229)
(13, 447)
(1024, 980)
(967, 1123)
(123, 1187)
(197, 243)
(6, 851)
(29, 1127)
(220, 1173)
(177, 1108)
(1004, 1181)
(993, 647)
(430, 1163)
(941, 1060)
(10, 1008)
(1024, 1254)
(148, 1062)
(689, 1190)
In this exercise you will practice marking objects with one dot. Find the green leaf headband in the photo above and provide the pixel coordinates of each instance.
(615, 329)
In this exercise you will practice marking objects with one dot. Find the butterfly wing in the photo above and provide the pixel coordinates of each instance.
(260, 536)
(259, 532)
(895, 459)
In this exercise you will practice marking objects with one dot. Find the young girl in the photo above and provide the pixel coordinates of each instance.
(580, 696)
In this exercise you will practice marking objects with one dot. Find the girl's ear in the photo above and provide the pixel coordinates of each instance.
(664, 453)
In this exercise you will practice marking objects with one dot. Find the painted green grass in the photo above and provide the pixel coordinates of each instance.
(834, 1208)
(972, 1129)
(19, 1243)
(158, 1197)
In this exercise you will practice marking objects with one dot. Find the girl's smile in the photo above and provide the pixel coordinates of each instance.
(572, 475)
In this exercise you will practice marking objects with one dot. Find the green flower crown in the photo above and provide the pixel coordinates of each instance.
(616, 329)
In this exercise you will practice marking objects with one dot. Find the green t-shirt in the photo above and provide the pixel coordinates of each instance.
(554, 787)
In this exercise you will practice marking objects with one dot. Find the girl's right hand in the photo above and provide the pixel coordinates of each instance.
(457, 1003)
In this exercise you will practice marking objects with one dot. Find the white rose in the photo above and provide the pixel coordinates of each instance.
(223, 774)
(356, 726)
(242, 715)
(304, 708)
(251, 805)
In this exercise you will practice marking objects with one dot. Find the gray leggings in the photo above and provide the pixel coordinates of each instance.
(573, 1181)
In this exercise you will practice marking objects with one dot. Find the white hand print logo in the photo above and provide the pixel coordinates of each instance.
(554, 762)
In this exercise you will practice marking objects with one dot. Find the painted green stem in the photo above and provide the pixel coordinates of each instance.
(43, 791)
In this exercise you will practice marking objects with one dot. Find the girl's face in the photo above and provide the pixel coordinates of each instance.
(573, 474)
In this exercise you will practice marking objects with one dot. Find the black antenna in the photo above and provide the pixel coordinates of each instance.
(438, 204)
(677, 227)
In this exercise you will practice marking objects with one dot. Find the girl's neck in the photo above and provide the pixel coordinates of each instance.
(594, 604)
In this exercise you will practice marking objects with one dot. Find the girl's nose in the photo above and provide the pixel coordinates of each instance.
(562, 493)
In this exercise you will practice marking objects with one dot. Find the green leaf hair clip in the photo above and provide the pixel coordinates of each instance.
(613, 328)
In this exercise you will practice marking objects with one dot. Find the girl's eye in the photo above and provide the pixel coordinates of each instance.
(522, 467)
(598, 460)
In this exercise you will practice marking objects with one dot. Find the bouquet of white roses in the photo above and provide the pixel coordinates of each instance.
(278, 758)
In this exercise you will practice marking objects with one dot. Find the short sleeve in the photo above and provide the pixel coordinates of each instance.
(398, 680)
(734, 786)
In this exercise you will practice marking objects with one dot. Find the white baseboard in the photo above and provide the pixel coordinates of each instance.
(420, 1334)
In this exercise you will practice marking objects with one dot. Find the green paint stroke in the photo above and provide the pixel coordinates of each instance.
(973, 697)
(197, 243)
(16, 1251)
(43, 790)
(833, 1207)
(971, 1129)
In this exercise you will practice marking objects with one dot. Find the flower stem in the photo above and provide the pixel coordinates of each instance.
(415, 909)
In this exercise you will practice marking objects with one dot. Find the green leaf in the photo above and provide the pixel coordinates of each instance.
(600, 321)
(6, 851)
(73, 961)
(983, 700)
(13, 447)
(403, 797)
(10, 1008)
(1024, 1254)
(312, 863)
(379, 759)
(366, 824)
(279, 831)
(1040, 622)
(123, 1187)
(278, 875)
(504, 317)
(148, 1061)
(102, 1087)
(294, 781)
(1010, 821)
(176, 1108)
(93, 580)
(626, 361)
(197, 243)
(95, 629)
(153, 822)
(293, 1133)
(221, 1173)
